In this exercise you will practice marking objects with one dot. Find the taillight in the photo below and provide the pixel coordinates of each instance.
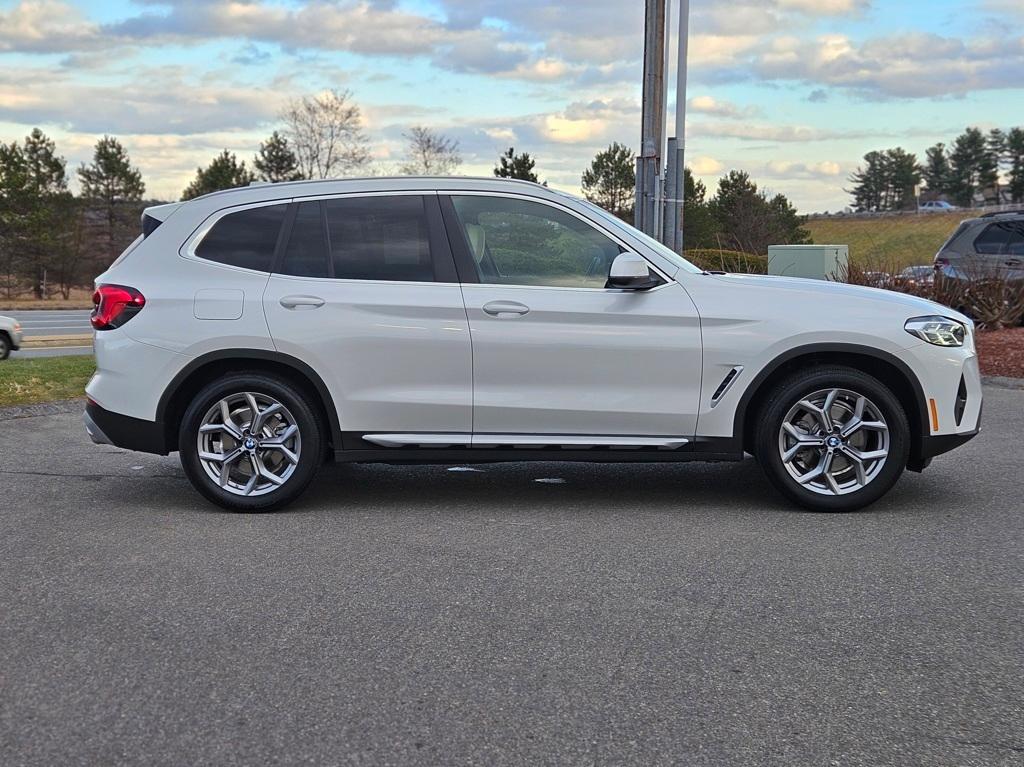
(940, 263)
(114, 305)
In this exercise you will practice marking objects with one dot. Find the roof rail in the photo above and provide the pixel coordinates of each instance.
(997, 213)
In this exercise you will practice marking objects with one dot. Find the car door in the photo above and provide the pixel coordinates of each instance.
(554, 351)
(366, 293)
(999, 251)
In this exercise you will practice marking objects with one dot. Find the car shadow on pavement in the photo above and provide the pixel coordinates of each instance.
(740, 488)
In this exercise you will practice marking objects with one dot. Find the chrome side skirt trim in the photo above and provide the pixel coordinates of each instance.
(524, 440)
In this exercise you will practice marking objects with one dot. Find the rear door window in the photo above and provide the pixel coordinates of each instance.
(306, 254)
(1000, 239)
(379, 238)
(247, 238)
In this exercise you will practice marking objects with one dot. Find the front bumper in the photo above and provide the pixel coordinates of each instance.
(108, 428)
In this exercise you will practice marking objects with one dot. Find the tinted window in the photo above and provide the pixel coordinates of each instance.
(247, 238)
(379, 238)
(518, 242)
(306, 254)
(1001, 239)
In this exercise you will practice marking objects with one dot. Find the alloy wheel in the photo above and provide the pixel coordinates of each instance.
(834, 441)
(249, 444)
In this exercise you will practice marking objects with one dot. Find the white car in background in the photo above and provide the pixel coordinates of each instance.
(10, 336)
(264, 330)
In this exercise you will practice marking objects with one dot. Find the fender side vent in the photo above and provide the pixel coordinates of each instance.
(961, 401)
(726, 384)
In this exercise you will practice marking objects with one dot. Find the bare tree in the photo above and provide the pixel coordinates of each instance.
(325, 132)
(430, 153)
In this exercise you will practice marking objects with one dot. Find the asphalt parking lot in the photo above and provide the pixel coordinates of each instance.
(417, 615)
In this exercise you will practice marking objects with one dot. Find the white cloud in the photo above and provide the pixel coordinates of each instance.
(709, 105)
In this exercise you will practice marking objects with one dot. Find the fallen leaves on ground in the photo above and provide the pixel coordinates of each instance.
(1001, 352)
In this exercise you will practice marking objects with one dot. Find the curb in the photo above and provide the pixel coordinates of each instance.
(1003, 382)
(42, 408)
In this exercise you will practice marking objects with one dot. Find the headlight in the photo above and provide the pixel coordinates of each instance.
(940, 331)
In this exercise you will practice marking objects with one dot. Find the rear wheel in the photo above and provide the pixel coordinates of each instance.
(250, 442)
(5, 346)
(832, 439)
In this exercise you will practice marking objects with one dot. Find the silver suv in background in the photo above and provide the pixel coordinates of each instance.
(989, 246)
(10, 336)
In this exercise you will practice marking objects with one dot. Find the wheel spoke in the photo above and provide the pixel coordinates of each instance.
(858, 464)
(227, 421)
(261, 418)
(804, 440)
(222, 458)
(820, 413)
(251, 484)
(817, 471)
(862, 457)
(266, 473)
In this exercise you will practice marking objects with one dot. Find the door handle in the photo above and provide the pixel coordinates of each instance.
(506, 308)
(302, 302)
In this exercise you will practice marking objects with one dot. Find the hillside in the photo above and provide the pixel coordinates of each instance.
(888, 242)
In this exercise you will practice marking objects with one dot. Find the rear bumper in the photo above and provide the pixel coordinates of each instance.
(108, 428)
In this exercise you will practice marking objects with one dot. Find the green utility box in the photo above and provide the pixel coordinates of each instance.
(816, 262)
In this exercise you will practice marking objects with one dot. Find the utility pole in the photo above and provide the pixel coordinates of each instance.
(676, 161)
(648, 162)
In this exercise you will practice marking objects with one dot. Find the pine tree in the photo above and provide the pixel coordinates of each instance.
(39, 210)
(936, 170)
(698, 224)
(904, 176)
(749, 221)
(276, 161)
(223, 172)
(610, 181)
(108, 183)
(1015, 160)
(967, 161)
(870, 184)
(989, 166)
(512, 165)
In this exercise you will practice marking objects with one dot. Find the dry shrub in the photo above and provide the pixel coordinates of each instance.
(993, 302)
(734, 261)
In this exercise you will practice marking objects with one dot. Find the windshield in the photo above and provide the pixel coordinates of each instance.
(617, 223)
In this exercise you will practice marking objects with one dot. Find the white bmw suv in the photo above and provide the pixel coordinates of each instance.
(263, 331)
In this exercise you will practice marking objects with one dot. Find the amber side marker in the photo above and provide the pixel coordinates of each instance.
(935, 415)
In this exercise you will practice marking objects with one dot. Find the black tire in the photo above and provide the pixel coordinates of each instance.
(301, 411)
(5, 346)
(796, 388)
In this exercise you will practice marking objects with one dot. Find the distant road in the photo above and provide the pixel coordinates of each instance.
(52, 322)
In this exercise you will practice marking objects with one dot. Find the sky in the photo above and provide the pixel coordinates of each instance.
(794, 92)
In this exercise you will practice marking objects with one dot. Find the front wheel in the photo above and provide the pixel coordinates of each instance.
(832, 439)
(250, 442)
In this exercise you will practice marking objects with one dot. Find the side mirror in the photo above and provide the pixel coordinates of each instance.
(630, 272)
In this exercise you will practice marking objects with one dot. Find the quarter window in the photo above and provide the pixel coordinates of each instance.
(519, 242)
(379, 238)
(247, 238)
